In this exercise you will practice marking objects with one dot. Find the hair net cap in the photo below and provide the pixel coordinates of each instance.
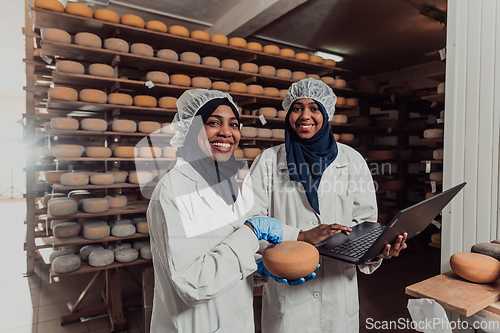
(187, 106)
(313, 89)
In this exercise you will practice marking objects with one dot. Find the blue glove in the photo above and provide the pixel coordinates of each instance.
(267, 228)
(262, 270)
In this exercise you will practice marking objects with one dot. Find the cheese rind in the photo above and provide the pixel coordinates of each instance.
(145, 101)
(316, 59)
(271, 91)
(210, 61)
(268, 112)
(191, 57)
(98, 152)
(156, 26)
(88, 249)
(132, 20)
(167, 102)
(149, 126)
(95, 232)
(251, 152)
(106, 15)
(314, 76)
(126, 255)
(238, 87)
(230, 64)
(433, 133)
(298, 75)
(271, 49)
(328, 80)
(66, 264)
(140, 177)
(329, 62)
(101, 258)
(200, 35)
(95, 205)
(68, 150)
(88, 39)
(249, 67)
(124, 125)
(254, 46)
(255, 89)
(248, 132)
(302, 56)
(142, 227)
(123, 230)
(178, 30)
(287, 53)
(62, 207)
(56, 35)
(201, 82)
(63, 93)
(158, 77)
(237, 42)
(120, 99)
(142, 49)
(59, 253)
(475, 267)
(102, 179)
(120, 175)
(93, 124)
(101, 70)
(284, 73)
(67, 66)
(93, 96)
(267, 70)
(66, 230)
(167, 54)
(116, 201)
(75, 179)
(219, 39)
(264, 133)
(69, 124)
(50, 5)
(169, 152)
(180, 80)
(340, 83)
(145, 252)
(291, 259)
(220, 85)
(125, 152)
(116, 44)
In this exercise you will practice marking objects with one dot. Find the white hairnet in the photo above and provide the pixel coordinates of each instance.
(313, 89)
(187, 105)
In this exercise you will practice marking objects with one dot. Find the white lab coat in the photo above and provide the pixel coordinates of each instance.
(329, 302)
(203, 257)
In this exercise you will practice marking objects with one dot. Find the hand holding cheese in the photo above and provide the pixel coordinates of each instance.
(263, 271)
(266, 228)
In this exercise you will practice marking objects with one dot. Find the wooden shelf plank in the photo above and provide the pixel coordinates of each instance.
(114, 159)
(63, 188)
(79, 240)
(438, 98)
(86, 268)
(129, 209)
(104, 133)
(441, 76)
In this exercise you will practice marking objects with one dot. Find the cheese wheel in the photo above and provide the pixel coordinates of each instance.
(167, 102)
(328, 80)
(116, 201)
(150, 152)
(131, 196)
(37, 52)
(201, 82)
(120, 175)
(78, 195)
(352, 102)
(284, 73)
(436, 154)
(264, 133)
(98, 152)
(145, 252)
(180, 80)
(167, 54)
(441, 88)
(50, 5)
(54, 176)
(166, 128)
(116, 44)
(268, 112)
(169, 152)
(145, 101)
(267, 70)
(102, 178)
(68, 150)
(238, 87)
(88, 39)
(93, 96)
(251, 152)
(156, 26)
(125, 152)
(158, 77)
(340, 83)
(282, 114)
(271, 49)
(329, 62)
(346, 137)
(142, 227)
(291, 259)
(254, 46)
(62, 207)
(178, 30)
(219, 39)
(271, 91)
(140, 177)
(101, 258)
(220, 85)
(132, 20)
(95, 205)
(63, 93)
(340, 119)
(88, 249)
(66, 264)
(200, 35)
(210, 61)
(119, 222)
(149, 126)
(255, 89)
(436, 176)
(238, 153)
(66, 230)
(120, 99)
(248, 132)
(298, 75)
(283, 93)
(64, 124)
(230, 64)
(106, 15)
(249, 67)
(475, 267)
(126, 255)
(56, 35)
(287, 53)
(316, 59)
(142, 49)
(59, 253)
(75, 179)
(489, 249)
(340, 101)
(67, 66)
(93, 124)
(101, 70)
(433, 133)
(238, 42)
(336, 136)
(278, 133)
(302, 56)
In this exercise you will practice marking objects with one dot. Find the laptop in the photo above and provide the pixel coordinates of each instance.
(368, 239)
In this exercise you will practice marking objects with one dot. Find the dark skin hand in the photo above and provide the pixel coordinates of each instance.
(393, 251)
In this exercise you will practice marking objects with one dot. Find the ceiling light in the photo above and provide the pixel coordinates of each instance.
(325, 55)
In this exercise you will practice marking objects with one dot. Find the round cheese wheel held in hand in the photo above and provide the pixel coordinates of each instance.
(475, 267)
(291, 259)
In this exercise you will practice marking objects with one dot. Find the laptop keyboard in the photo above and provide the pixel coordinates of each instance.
(357, 247)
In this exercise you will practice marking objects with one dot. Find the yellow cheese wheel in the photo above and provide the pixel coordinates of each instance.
(140, 177)
(316, 59)
(284, 73)
(116, 201)
(67, 66)
(271, 91)
(302, 56)
(75, 179)
(329, 62)
(56, 35)
(180, 80)
(268, 112)
(264, 133)
(142, 49)
(249, 67)
(328, 80)
(50, 5)
(200, 35)
(283, 93)
(169, 152)
(88, 39)
(54, 176)
(167, 54)
(166, 128)
(298, 75)
(271, 49)
(278, 133)
(210, 61)
(102, 178)
(352, 102)
(287, 53)
(282, 114)
(158, 77)
(125, 152)
(148, 126)
(238, 87)
(230, 64)
(144, 100)
(120, 99)
(156, 26)
(201, 82)
(248, 132)
(120, 175)
(124, 125)
(93, 124)
(150, 152)
(142, 227)
(94, 205)
(251, 152)
(179, 30)
(95, 232)
(93, 96)
(101, 70)
(64, 124)
(219, 39)
(340, 101)
(255, 89)
(106, 15)
(237, 42)
(220, 85)
(167, 102)
(340, 119)
(336, 136)
(98, 152)
(68, 150)
(267, 70)
(191, 57)
(475, 267)
(62, 207)
(132, 20)
(238, 153)
(340, 83)
(291, 259)
(116, 44)
(346, 137)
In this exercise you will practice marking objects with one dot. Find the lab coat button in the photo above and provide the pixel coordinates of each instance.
(316, 295)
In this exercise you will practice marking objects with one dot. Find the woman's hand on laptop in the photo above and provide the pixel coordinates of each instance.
(393, 251)
(322, 232)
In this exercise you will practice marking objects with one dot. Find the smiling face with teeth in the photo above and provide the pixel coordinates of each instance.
(220, 134)
(305, 118)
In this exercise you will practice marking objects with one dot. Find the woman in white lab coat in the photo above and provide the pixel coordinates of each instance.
(203, 254)
(317, 188)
